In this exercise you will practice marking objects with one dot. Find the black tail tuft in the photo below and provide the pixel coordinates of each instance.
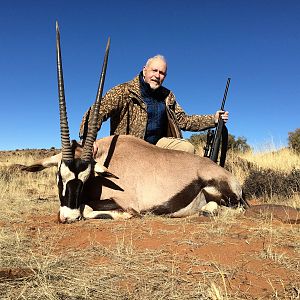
(244, 202)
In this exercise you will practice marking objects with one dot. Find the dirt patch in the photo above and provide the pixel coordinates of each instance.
(243, 259)
(283, 213)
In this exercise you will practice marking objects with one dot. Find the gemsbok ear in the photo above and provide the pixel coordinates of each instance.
(103, 171)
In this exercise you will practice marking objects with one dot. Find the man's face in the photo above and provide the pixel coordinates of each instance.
(155, 73)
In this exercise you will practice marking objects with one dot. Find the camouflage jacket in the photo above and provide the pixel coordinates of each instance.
(127, 111)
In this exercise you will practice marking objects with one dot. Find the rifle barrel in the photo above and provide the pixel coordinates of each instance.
(225, 93)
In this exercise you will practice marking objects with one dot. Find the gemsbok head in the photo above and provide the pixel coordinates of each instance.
(75, 162)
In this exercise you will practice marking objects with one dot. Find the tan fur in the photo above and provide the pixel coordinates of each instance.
(149, 176)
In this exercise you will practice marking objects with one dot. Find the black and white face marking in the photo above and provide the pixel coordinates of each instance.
(71, 177)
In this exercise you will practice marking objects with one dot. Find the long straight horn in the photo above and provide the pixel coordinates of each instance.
(64, 128)
(92, 130)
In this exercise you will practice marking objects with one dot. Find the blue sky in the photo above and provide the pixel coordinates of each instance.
(256, 43)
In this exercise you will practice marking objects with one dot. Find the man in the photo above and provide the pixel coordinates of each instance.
(144, 108)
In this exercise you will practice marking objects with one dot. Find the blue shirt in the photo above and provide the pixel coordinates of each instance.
(156, 109)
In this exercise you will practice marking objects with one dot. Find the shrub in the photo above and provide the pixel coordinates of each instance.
(268, 183)
(294, 140)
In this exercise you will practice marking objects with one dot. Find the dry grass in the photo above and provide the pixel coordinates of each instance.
(282, 160)
(272, 176)
(19, 191)
(225, 257)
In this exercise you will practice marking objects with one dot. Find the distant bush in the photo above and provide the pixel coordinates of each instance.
(294, 140)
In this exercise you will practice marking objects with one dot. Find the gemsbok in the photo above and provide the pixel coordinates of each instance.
(127, 176)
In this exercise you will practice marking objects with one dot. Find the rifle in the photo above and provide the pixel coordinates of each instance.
(218, 135)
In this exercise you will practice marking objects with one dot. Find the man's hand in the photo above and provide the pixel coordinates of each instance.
(223, 114)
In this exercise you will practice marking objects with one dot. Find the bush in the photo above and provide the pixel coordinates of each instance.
(268, 183)
(294, 140)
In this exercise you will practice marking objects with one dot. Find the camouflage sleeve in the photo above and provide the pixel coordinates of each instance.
(193, 122)
(110, 103)
(84, 124)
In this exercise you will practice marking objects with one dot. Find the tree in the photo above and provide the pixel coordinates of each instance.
(294, 140)
(237, 144)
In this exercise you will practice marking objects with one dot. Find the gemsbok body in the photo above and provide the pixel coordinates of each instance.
(128, 176)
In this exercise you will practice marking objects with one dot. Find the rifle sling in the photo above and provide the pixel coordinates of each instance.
(224, 146)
